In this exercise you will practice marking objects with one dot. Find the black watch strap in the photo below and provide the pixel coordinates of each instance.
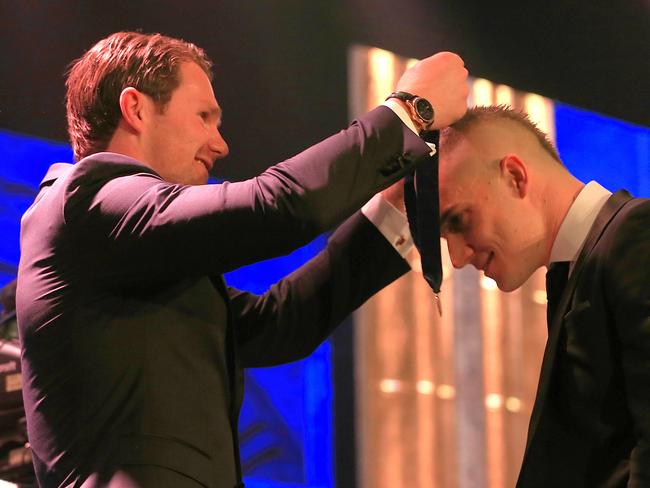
(401, 95)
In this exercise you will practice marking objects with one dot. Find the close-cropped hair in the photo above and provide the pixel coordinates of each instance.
(149, 63)
(495, 113)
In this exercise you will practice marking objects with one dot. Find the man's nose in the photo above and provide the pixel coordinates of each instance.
(459, 252)
(218, 145)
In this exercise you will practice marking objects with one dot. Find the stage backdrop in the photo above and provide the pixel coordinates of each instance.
(445, 402)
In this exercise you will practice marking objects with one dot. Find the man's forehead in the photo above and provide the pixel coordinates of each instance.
(456, 159)
(454, 192)
(477, 136)
(196, 82)
(463, 169)
(470, 151)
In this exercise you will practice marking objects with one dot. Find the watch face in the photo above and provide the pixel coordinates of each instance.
(424, 109)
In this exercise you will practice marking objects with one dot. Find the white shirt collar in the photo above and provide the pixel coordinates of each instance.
(578, 221)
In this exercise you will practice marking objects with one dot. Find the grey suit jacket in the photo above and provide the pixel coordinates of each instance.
(590, 425)
(133, 345)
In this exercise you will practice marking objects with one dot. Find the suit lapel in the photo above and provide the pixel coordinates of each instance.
(235, 374)
(611, 208)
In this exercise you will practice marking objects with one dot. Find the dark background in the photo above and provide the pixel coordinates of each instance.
(280, 65)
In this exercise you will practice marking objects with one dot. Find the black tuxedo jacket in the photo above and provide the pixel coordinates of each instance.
(133, 347)
(590, 425)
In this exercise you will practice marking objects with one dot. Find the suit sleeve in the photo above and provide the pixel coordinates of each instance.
(147, 229)
(629, 263)
(290, 320)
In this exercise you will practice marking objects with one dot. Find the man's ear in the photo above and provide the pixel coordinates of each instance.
(133, 108)
(515, 173)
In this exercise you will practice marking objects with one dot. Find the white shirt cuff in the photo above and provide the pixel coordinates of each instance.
(404, 116)
(392, 224)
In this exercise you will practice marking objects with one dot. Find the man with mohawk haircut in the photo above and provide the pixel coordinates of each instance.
(508, 206)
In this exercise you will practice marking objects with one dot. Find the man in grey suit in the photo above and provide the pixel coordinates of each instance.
(133, 345)
(508, 207)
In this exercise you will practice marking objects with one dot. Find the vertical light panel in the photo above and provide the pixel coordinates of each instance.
(381, 66)
(504, 95)
(481, 92)
(468, 333)
(540, 110)
(492, 320)
(405, 373)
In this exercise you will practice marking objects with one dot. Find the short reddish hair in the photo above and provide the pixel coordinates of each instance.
(147, 62)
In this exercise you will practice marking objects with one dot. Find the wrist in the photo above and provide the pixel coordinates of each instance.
(419, 109)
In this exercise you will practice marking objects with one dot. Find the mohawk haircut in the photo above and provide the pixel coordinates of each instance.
(486, 114)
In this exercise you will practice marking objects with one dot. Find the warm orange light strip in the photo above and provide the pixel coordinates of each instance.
(382, 75)
(492, 320)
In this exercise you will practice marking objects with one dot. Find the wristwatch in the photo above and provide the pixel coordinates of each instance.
(421, 110)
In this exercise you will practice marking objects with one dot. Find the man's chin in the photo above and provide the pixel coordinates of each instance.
(199, 178)
(507, 285)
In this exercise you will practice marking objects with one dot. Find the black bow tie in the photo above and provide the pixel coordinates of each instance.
(423, 211)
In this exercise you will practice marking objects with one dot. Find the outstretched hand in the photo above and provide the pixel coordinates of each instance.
(441, 79)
